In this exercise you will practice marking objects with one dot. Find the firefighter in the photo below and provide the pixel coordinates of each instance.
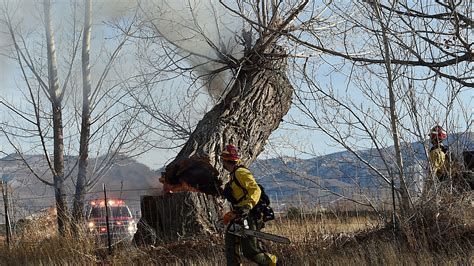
(438, 154)
(244, 193)
(445, 166)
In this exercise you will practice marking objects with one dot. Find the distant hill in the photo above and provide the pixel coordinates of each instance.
(292, 179)
(126, 178)
(287, 180)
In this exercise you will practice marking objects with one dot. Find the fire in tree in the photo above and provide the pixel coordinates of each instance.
(193, 174)
(249, 105)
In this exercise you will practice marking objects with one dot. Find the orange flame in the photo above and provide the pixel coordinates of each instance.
(183, 186)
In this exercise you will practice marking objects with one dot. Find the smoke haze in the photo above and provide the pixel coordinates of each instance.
(196, 26)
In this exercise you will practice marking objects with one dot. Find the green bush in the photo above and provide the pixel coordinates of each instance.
(294, 213)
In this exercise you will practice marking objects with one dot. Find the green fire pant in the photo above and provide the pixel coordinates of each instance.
(249, 247)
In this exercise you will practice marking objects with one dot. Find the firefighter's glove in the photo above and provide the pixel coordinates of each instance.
(236, 215)
(229, 217)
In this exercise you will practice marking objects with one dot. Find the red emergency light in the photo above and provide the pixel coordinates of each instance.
(111, 202)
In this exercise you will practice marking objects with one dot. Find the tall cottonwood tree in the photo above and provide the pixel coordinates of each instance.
(78, 207)
(124, 140)
(253, 102)
(49, 84)
(249, 105)
(56, 95)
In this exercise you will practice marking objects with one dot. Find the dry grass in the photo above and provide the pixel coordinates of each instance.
(362, 241)
(322, 241)
(304, 230)
(49, 251)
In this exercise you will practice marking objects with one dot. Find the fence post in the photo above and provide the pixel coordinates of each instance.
(394, 214)
(4, 186)
(109, 240)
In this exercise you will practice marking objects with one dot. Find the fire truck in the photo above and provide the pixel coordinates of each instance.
(122, 225)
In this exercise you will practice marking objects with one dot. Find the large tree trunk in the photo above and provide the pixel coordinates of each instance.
(78, 207)
(176, 216)
(56, 98)
(249, 113)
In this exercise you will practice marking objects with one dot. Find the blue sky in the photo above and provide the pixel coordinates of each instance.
(282, 142)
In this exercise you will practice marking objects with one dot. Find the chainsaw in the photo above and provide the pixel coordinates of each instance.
(242, 230)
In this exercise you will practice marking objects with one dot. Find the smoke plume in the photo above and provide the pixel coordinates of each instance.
(204, 31)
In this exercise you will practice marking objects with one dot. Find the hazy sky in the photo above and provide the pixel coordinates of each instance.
(29, 14)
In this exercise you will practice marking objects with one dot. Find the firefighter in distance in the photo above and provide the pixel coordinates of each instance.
(438, 154)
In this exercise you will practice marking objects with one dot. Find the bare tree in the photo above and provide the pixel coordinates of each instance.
(78, 208)
(405, 200)
(109, 134)
(253, 100)
(433, 35)
(401, 97)
(92, 98)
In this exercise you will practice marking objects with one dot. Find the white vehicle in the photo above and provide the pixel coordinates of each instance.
(122, 226)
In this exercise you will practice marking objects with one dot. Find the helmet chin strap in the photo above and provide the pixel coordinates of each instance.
(227, 166)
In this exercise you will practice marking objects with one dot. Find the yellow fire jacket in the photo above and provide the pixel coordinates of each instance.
(437, 159)
(248, 183)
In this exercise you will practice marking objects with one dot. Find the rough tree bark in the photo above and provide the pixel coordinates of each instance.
(249, 113)
(173, 216)
(246, 117)
(78, 206)
(56, 95)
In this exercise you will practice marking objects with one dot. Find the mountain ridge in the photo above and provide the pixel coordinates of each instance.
(285, 178)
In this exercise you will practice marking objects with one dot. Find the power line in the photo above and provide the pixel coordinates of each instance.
(92, 192)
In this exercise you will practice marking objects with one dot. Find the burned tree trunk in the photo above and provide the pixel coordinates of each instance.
(252, 109)
(174, 216)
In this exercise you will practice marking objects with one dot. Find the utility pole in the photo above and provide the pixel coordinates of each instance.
(4, 186)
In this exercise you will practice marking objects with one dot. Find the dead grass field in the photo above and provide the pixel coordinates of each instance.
(328, 241)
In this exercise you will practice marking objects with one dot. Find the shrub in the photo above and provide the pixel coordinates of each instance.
(294, 213)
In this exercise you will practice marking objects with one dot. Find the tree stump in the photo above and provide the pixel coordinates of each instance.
(174, 216)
